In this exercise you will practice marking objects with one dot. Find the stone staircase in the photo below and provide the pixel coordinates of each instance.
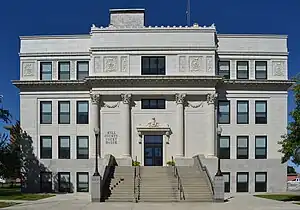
(158, 184)
(195, 184)
(121, 186)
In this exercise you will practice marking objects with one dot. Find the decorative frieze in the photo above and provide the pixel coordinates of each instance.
(28, 69)
(196, 63)
(278, 68)
(209, 64)
(54, 70)
(112, 106)
(97, 64)
(72, 69)
(124, 63)
(110, 64)
(182, 63)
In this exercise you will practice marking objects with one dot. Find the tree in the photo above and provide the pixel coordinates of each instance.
(291, 170)
(4, 113)
(291, 141)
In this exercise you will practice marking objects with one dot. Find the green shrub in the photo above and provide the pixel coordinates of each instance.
(136, 163)
(171, 163)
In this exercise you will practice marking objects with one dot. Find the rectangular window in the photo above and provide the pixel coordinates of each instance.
(242, 70)
(153, 103)
(46, 147)
(242, 182)
(82, 147)
(46, 71)
(242, 112)
(224, 69)
(82, 69)
(64, 147)
(261, 112)
(242, 147)
(64, 70)
(224, 142)
(45, 112)
(260, 69)
(82, 112)
(260, 181)
(82, 182)
(260, 147)
(153, 65)
(46, 182)
(64, 112)
(224, 112)
(64, 182)
(226, 176)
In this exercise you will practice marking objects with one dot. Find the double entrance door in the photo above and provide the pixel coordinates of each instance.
(153, 150)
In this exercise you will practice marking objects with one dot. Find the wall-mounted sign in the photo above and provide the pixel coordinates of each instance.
(111, 137)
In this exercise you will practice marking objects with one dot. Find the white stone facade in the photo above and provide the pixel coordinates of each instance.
(190, 87)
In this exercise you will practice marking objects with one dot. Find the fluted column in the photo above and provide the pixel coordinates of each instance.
(95, 117)
(126, 98)
(212, 123)
(180, 97)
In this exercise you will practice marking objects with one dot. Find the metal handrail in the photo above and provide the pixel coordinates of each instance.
(179, 183)
(134, 182)
(139, 182)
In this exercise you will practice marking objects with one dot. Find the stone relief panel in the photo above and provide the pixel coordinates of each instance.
(278, 68)
(72, 70)
(182, 64)
(209, 64)
(28, 69)
(196, 63)
(97, 64)
(110, 64)
(127, 21)
(54, 70)
(124, 64)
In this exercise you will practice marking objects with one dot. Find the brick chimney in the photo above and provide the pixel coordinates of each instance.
(127, 18)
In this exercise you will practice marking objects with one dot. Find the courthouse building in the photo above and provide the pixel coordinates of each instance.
(155, 92)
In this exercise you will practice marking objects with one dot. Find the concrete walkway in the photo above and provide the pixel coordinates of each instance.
(81, 202)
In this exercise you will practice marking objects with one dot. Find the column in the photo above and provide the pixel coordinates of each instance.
(95, 118)
(180, 124)
(212, 123)
(126, 98)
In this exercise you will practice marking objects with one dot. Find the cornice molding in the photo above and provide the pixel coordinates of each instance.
(263, 36)
(54, 54)
(154, 48)
(252, 53)
(39, 37)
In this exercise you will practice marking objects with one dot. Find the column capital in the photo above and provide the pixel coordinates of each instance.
(95, 98)
(180, 98)
(126, 98)
(211, 98)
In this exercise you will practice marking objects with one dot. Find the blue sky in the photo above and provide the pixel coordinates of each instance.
(36, 17)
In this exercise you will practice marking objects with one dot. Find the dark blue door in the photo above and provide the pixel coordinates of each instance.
(153, 149)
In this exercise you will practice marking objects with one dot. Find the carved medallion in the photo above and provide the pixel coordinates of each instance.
(124, 64)
(195, 63)
(182, 63)
(278, 68)
(209, 64)
(152, 123)
(110, 64)
(28, 68)
(97, 64)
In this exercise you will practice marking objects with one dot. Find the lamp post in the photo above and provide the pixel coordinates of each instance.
(219, 132)
(96, 131)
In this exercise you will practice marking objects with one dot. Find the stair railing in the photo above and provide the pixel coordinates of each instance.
(179, 183)
(134, 181)
(139, 182)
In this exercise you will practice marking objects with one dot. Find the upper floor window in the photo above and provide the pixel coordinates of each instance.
(64, 112)
(64, 70)
(224, 112)
(82, 112)
(224, 144)
(260, 69)
(153, 65)
(82, 69)
(153, 103)
(46, 71)
(45, 112)
(224, 69)
(82, 147)
(46, 147)
(64, 147)
(261, 112)
(242, 147)
(242, 112)
(260, 147)
(242, 70)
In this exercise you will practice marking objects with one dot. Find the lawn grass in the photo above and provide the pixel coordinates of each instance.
(280, 197)
(7, 193)
(6, 204)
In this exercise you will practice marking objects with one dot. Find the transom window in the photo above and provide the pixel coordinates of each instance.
(242, 182)
(242, 147)
(82, 112)
(260, 69)
(64, 112)
(242, 112)
(260, 147)
(46, 147)
(224, 69)
(153, 103)
(82, 147)
(64, 70)
(82, 181)
(261, 112)
(226, 176)
(153, 65)
(46, 71)
(45, 112)
(224, 144)
(260, 181)
(224, 112)
(82, 69)
(64, 147)
(242, 70)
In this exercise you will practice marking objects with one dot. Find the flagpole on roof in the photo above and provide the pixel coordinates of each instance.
(188, 13)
